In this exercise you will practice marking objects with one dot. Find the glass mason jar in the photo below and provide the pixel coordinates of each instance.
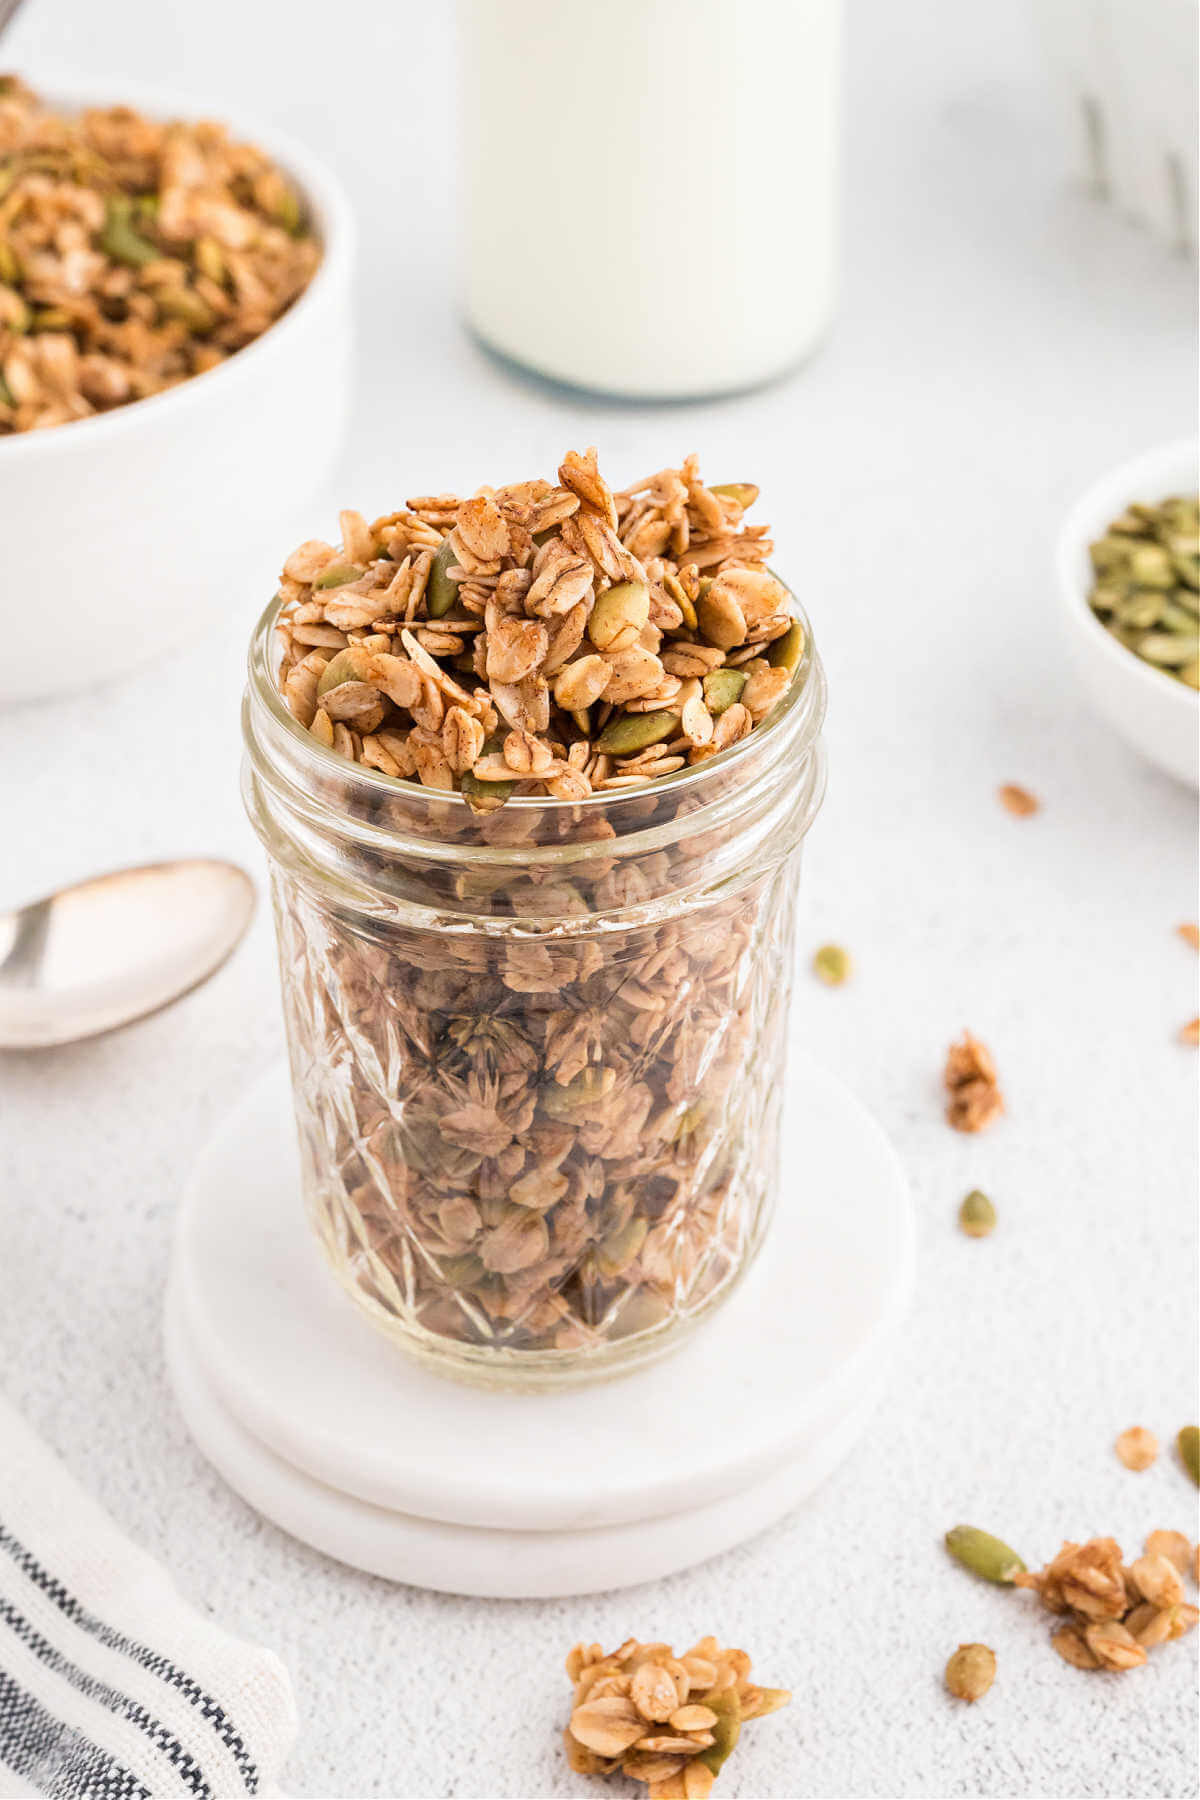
(538, 1053)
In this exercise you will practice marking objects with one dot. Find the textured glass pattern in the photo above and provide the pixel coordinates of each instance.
(538, 1152)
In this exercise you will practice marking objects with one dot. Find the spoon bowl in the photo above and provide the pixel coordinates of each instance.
(113, 948)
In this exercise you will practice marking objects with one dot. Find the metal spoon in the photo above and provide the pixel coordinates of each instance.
(115, 948)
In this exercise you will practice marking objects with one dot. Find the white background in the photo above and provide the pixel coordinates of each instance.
(1001, 340)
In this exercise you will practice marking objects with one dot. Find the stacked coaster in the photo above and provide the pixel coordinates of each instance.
(328, 1429)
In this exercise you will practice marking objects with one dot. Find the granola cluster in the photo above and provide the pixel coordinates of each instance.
(1115, 1613)
(668, 1721)
(133, 254)
(540, 639)
(973, 1097)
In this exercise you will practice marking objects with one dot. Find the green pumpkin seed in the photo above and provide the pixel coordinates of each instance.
(619, 614)
(349, 664)
(484, 796)
(182, 304)
(977, 1215)
(1150, 566)
(725, 1732)
(832, 965)
(51, 318)
(440, 592)
(723, 688)
(744, 492)
(1169, 649)
(119, 239)
(10, 267)
(209, 259)
(336, 575)
(1188, 1445)
(786, 652)
(984, 1554)
(635, 731)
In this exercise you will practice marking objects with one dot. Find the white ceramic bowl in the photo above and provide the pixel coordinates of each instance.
(125, 532)
(1153, 711)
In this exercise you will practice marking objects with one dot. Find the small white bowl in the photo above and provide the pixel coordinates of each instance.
(125, 532)
(1153, 711)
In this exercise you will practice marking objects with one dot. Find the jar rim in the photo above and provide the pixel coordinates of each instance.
(802, 708)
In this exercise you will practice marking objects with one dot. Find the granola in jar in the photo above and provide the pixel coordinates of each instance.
(533, 767)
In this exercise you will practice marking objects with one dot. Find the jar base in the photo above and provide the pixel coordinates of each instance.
(307, 1411)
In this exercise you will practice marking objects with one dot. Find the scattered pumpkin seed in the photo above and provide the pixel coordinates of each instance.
(971, 1671)
(635, 731)
(440, 592)
(977, 1215)
(337, 575)
(1188, 1445)
(984, 1554)
(723, 689)
(832, 965)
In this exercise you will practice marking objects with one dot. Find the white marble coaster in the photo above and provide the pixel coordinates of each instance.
(327, 1428)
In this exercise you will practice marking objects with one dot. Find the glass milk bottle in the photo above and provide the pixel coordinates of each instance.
(649, 187)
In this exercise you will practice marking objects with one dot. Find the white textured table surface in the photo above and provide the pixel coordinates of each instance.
(1000, 341)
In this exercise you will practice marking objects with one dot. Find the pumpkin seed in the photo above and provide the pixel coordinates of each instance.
(1188, 1445)
(726, 1731)
(619, 614)
(635, 731)
(722, 689)
(832, 965)
(1169, 649)
(349, 664)
(977, 1215)
(744, 492)
(337, 575)
(971, 1671)
(984, 1554)
(786, 652)
(182, 304)
(440, 591)
(119, 239)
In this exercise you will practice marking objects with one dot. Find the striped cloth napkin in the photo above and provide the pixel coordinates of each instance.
(111, 1686)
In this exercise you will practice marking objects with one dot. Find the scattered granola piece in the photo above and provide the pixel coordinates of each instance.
(1173, 1545)
(1114, 1613)
(1137, 1447)
(977, 1215)
(1190, 933)
(134, 254)
(971, 1671)
(1017, 800)
(1190, 1033)
(832, 965)
(1070, 1644)
(668, 1721)
(1112, 1645)
(973, 1092)
(1188, 1444)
